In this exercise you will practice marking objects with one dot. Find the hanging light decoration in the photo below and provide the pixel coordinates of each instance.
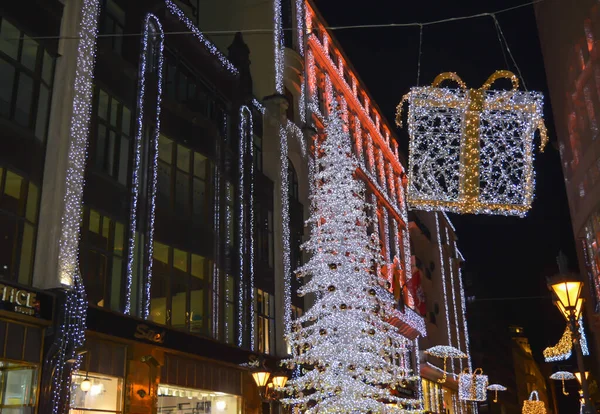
(445, 352)
(562, 376)
(496, 388)
(471, 150)
(472, 386)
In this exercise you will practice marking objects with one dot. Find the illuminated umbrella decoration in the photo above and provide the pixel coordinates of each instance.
(562, 376)
(496, 388)
(445, 352)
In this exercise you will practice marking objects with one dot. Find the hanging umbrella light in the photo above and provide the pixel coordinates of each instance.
(562, 376)
(445, 352)
(496, 388)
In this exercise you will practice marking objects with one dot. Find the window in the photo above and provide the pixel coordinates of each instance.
(18, 226)
(181, 289)
(102, 259)
(257, 156)
(184, 181)
(113, 22)
(392, 236)
(195, 401)
(292, 182)
(113, 136)
(264, 233)
(264, 321)
(18, 389)
(287, 23)
(105, 394)
(26, 75)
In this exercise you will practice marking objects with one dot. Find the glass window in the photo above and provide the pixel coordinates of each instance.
(18, 389)
(18, 216)
(113, 22)
(102, 259)
(180, 289)
(26, 72)
(196, 401)
(264, 321)
(113, 141)
(105, 394)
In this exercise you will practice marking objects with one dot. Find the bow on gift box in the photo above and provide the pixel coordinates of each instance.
(475, 130)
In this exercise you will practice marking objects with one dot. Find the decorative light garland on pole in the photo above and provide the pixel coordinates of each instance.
(152, 31)
(562, 350)
(471, 151)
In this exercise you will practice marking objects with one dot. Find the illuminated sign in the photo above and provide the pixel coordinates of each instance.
(19, 300)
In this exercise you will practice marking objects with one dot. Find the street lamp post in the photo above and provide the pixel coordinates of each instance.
(268, 390)
(570, 304)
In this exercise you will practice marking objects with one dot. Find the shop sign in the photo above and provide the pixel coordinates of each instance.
(144, 332)
(19, 300)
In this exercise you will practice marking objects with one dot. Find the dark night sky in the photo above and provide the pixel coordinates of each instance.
(506, 257)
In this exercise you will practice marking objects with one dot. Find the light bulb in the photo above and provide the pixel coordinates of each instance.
(85, 385)
(220, 405)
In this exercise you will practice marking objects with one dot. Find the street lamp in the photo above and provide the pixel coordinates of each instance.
(268, 390)
(568, 300)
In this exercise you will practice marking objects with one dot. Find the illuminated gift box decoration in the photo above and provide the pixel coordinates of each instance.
(471, 150)
(472, 386)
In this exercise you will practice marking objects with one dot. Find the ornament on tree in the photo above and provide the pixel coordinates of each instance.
(351, 370)
(471, 150)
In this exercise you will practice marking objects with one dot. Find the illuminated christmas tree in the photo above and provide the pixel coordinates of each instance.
(350, 358)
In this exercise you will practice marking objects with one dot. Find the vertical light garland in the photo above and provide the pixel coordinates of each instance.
(71, 332)
(418, 373)
(370, 153)
(285, 231)
(217, 233)
(152, 28)
(358, 141)
(463, 306)
(278, 48)
(443, 272)
(386, 241)
(252, 227)
(300, 25)
(242, 132)
(68, 262)
(456, 324)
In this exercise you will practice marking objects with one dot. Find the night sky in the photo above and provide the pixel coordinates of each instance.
(506, 257)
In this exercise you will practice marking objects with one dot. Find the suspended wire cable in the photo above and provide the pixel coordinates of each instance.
(420, 51)
(270, 31)
(510, 53)
(501, 43)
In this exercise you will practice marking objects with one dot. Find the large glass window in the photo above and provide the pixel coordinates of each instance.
(184, 180)
(26, 74)
(264, 233)
(113, 22)
(102, 259)
(264, 321)
(101, 394)
(18, 226)
(173, 399)
(18, 387)
(113, 136)
(180, 290)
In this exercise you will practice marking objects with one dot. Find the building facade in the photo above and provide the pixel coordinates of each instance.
(571, 56)
(153, 192)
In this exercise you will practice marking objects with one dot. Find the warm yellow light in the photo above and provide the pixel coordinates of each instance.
(261, 377)
(578, 376)
(85, 385)
(567, 293)
(279, 381)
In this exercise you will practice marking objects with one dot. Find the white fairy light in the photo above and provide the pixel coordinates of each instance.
(285, 231)
(278, 48)
(302, 103)
(180, 14)
(258, 105)
(343, 336)
(443, 272)
(463, 306)
(294, 130)
(451, 270)
(471, 151)
(152, 30)
(247, 128)
(300, 31)
(244, 114)
(68, 262)
(217, 232)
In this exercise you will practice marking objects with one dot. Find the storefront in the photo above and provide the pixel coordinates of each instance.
(135, 367)
(25, 314)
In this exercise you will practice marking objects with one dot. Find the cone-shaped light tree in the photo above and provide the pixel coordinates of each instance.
(350, 358)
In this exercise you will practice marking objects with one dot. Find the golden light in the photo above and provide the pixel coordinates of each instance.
(567, 293)
(85, 385)
(279, 381)
(578, 376)
(261, 378)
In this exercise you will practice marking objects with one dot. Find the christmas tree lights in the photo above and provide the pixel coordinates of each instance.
(471, 150)
(352, 358)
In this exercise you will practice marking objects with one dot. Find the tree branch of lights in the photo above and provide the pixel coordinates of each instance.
(471, 150)
(350, 357)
